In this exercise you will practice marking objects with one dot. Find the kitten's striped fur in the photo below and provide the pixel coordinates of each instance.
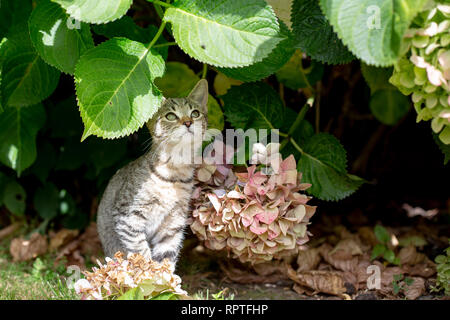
(145, 205)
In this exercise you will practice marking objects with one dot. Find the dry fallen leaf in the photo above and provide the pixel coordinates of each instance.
(270, 268)
(346, 264)
(368, 236)
(346, 249)
(9, 230)
(61, 238)
(409, 255)
(330, 282)
(387, 276)
(308, 259)
(244, 276)
(90, 242)
(23, 250)
(415, 290)
(87, 244)
(425, 270)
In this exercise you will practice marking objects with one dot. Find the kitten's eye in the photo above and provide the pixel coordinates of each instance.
(171, 116)
(195, 114)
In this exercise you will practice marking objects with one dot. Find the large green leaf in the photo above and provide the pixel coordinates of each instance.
(315, 36)
(13, 12)
(94, 11)
(377, 78)
(228, 33)
(178, 81)
(389, 105)
(301, 134)
(269, 65)
(3, 182)
(295, 76)
(132, 294)
(18, 129)
(14, 197)
(323, 162)
(253, 105)
(46, 201)
(372, 29)
(104, 154)
(25, 78)
(125, 27)
(57, 41)
(45, 161)
(115, 90)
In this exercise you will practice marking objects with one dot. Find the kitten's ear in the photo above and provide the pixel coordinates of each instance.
(200, 93)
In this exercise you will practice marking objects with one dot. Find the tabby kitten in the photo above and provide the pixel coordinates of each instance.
(146, 203)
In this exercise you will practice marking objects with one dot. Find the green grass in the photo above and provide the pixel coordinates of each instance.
(35, 280)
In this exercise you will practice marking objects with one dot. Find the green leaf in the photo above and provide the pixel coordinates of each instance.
(226, 33)
(132, 294)
(389, 106)
(315, 36)
(445, 148)
(378, 251)
(269, 65)
(416, 241)
(64, 119)
(301, 135)
(45, 161)
(13, 12)
(372, 29)
(14, 197)
(46, 201)
(3, 182)
(215, 115)
(377, 78)
(389, 256)
(395, 287)
(178, 81)
(409, 281)
(67, 205)
(115, 90)
(77, 220)
(104, 154)
(323, 163)
(253, 105)
(294, 76)
(93, 11)
(397, 277)
(59, 42)
(71, 155)
(381, 234)
(18, 129)
(126, 28)
(440, 259)
(25, 78)
(165, 296)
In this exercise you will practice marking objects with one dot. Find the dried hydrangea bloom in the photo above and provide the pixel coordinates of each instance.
(261, 217)
(118, 275)
(424, 72)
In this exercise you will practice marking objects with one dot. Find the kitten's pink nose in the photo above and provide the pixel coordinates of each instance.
(187, 123)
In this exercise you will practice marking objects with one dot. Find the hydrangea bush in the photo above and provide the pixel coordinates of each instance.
(257, 215)
(118, 276)
(424, 72)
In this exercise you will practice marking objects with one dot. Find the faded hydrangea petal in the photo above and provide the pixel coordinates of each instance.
(260, 216)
